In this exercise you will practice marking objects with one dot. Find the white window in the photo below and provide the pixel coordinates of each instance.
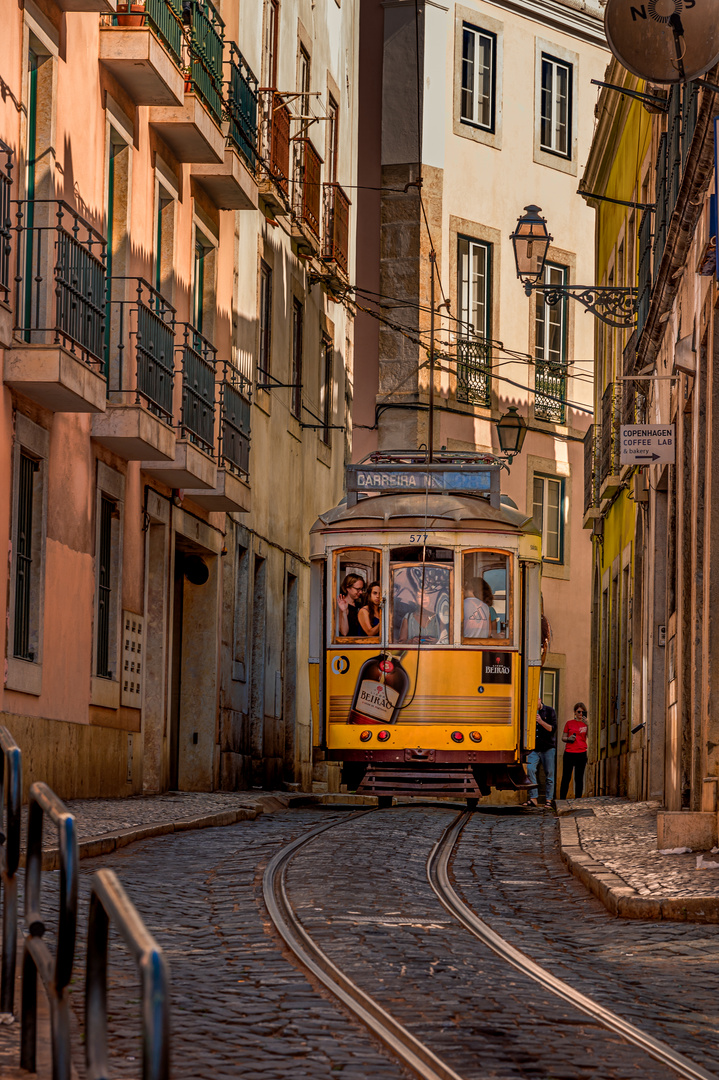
(549, 516)
(479, 51)
(473, 287)
(556, 107)
(551, 319)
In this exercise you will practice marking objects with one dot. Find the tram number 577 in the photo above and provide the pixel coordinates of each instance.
(418, 538)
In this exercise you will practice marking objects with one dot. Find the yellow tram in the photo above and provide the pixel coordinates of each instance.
(425, 645)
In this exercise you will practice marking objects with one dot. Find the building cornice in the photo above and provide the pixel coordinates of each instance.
(562, 17)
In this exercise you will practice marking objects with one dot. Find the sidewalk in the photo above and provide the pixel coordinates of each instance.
(610, 844)
(103, 825)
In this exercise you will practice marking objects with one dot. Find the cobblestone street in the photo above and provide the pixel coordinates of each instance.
(242, 1008)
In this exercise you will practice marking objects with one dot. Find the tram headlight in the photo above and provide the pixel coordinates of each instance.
(457, 736)
(475, 736)
(383, 735)
(365, 736)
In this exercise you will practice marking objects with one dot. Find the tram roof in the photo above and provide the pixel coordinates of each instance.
(384, 509)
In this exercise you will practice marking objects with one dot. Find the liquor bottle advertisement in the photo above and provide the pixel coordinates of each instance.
(389, 685)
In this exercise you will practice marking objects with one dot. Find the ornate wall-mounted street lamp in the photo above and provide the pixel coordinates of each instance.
(511, 432)
(615, 305)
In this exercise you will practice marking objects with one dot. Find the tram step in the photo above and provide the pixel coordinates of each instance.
(418, 781)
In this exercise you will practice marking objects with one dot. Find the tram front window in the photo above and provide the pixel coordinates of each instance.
(485, 596)
(358, 595)
(421, 597)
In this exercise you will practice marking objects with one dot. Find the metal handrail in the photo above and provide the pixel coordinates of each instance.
(146, 323)
(5, 220)
(109, 903)
(37, 959)
(11, 793)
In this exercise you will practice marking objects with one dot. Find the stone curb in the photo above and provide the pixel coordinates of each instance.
(622, 899)
(93, 846)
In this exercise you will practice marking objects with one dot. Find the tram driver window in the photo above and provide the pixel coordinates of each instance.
(421, 596)
(358, 595)
(485, 596)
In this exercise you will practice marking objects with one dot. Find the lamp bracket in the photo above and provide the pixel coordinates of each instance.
(615, 305)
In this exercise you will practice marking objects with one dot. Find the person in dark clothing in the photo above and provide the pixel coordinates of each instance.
(574, 760)
(544, 751)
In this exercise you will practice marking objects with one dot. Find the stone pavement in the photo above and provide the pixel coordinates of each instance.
(103, 825)
(610, 844)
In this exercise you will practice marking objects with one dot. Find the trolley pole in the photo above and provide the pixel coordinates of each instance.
(430, 434)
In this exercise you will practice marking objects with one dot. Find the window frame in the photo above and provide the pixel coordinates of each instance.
(486, 246)
(508, 641)
(264, 351)
(327, 390)
(555, 63)
(555, 673)
(478, 32)
(402, 564)
(25, 675)
(297, 357)
(337, 639)
(547, 478)
(105, 689)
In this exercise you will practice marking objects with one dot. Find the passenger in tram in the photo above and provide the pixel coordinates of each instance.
(370, 613)
(348, 604)
(476, 611)
(488, 597)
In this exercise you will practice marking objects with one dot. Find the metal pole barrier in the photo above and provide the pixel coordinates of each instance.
(11, 788)
(110, 903)
(37, 959)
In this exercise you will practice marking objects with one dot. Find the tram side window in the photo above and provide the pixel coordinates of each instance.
(485, 595)
(358, 595)
(421, 598)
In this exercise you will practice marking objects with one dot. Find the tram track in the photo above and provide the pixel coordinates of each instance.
(413, 1053)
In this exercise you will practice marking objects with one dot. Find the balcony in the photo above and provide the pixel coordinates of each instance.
(550, 391)
(306, 201)
(139, 363)
(336, 231)
(143, 52)
(86, 5)
(56, 357)
(610, 481)
(193, 466)
(274, 183)
(232, 185)
(474, 372)
(6, 319)
(193, 130)
(232, 491)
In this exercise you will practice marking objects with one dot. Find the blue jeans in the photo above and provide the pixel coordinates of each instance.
(547, 759)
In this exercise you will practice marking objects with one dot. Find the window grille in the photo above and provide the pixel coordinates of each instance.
(23, 558)
(104, 587)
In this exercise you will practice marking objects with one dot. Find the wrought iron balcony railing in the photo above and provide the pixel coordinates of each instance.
(235, 412)
(550, 391)
(5, 220)
(162, 16)
(207, 40)
(609, 461)
(241, 92)
(589, 469)
(197, 422)
(275, 138)
(60, 278)
(308, 185)
(474, 372)
(141, 348)
(336, 230)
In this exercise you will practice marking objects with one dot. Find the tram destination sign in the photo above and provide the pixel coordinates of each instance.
(647, 444)
(404, 479)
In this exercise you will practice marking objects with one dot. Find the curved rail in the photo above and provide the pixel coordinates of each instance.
(395, 1037)
(438, 875)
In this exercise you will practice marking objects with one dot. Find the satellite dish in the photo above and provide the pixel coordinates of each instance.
(663, 41)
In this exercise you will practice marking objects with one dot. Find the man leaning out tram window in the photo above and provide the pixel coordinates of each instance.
(544, 751)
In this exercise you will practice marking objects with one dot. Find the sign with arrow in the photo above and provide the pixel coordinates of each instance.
(646, 444)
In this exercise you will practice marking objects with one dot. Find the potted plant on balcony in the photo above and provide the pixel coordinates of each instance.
(131, 13)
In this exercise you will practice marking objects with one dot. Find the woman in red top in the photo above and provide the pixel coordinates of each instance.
(574, 760)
